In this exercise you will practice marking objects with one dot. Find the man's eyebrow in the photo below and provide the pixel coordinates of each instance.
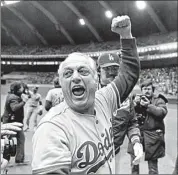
(67, 68)
(82, 67)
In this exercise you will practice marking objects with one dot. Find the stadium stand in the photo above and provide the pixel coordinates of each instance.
(90, 47)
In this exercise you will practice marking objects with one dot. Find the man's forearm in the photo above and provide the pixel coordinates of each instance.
(129, 68)
(156, 111)
(17, 106)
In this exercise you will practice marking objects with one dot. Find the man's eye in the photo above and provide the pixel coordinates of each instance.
(67, 73)
(84, 72)
(115, 68)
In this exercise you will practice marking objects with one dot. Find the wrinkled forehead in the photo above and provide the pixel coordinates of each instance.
(77, 61)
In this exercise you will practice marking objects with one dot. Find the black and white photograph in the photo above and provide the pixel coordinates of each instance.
(89, 87)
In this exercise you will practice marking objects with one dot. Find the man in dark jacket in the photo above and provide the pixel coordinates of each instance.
(124, 121)
(14, 112)
(150, 111)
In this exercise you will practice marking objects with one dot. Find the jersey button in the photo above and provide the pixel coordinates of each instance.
(102, 135)
(97, 121)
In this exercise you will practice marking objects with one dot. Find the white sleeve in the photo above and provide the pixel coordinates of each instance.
(48, 96)
(51, 152)
(109, 97)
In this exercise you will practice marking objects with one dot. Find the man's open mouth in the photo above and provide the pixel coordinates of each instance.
(78, 90)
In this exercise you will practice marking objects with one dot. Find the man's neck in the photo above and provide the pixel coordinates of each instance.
(102, 85)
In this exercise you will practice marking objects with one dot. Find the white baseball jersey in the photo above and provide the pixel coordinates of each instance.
(34, 99)
(55, 96)
(67, 141)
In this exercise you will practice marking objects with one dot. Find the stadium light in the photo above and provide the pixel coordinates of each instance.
(82, 21)
(157, 48)
(146, 50)
(163, 47)
(141, 5)
(8, 2)
(172, 46)
(142, 50)
(149, 49)
(108, 14)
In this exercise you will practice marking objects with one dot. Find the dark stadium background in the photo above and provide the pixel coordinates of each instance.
(37, 35)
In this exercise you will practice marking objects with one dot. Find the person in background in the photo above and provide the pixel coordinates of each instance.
(78, 133)
(54, 96)
(14, 112)
(34, 108)
(151, 110)
(124, 120)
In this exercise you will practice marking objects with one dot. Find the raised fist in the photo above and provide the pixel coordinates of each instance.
(122, 26)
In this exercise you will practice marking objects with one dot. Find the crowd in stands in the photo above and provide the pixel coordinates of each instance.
(38, 77)
(90, 47)
(165, 79)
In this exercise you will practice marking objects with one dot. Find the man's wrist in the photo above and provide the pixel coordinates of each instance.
(135, 139)
(128, 36)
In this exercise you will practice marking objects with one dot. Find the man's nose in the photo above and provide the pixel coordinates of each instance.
(76, 77)
(111, 71)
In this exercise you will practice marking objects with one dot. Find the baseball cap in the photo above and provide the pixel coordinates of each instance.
(108, 59)
(35, 86)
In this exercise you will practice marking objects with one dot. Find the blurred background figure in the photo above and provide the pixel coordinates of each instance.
(34, 108)
(54, 96)
(14, 112)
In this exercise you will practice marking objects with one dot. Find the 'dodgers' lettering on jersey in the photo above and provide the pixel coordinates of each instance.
(90, 152)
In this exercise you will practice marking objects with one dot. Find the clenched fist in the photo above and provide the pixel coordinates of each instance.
(122, 26)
